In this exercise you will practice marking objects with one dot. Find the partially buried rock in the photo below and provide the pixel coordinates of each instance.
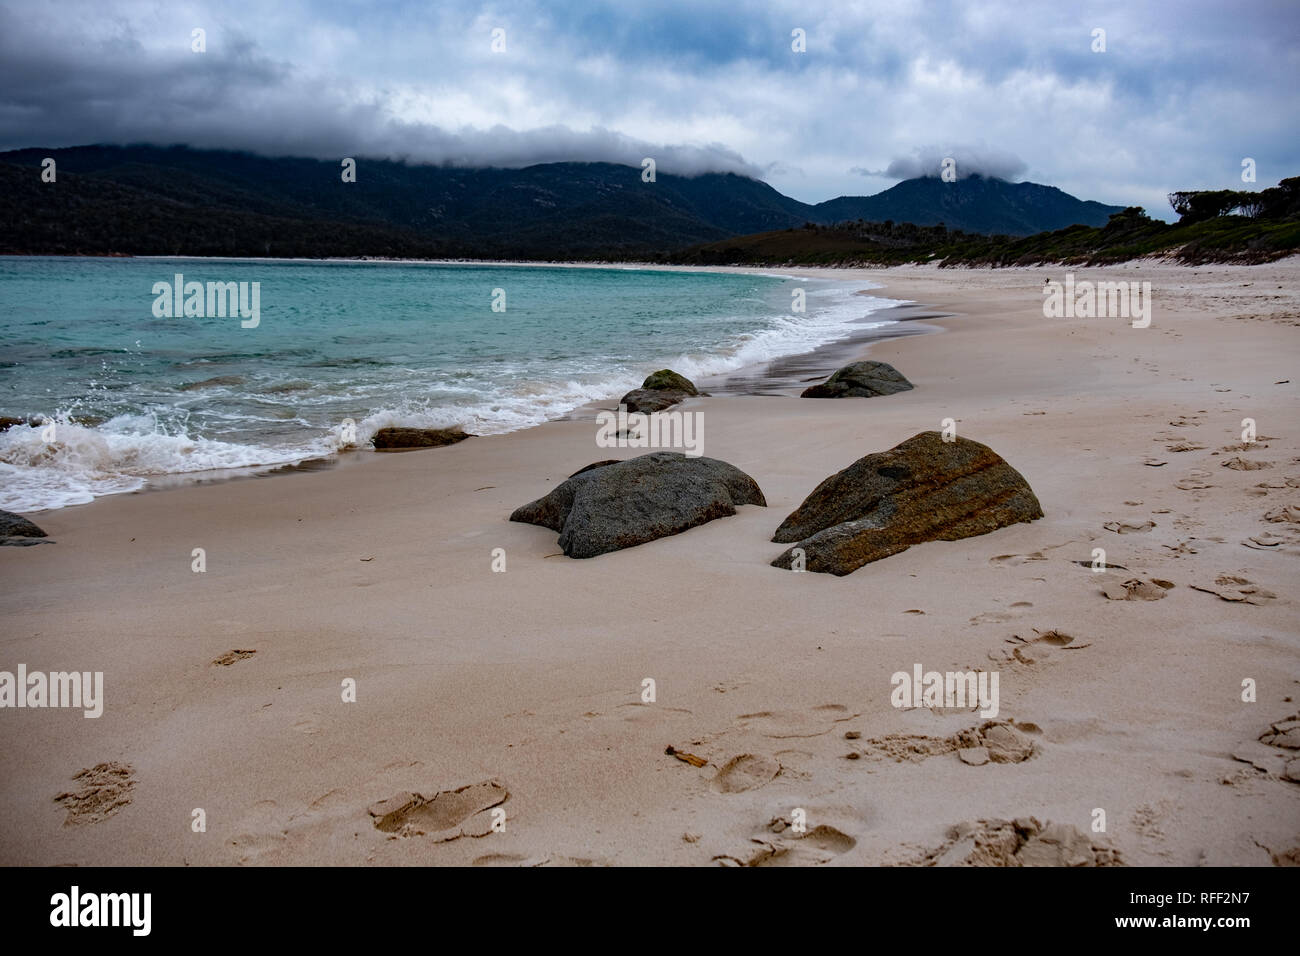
(17, 531)
(609, 506)
(392, 438)
(925, 489)
(660, 390)
(860, 380)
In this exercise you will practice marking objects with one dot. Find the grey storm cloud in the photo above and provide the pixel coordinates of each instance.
(1184, 90)
(243, 100)
(966, 161)
(501, 146)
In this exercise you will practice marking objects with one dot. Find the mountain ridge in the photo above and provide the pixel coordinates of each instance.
(158, 200)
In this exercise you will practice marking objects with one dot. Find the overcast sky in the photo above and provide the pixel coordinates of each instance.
(1183, 92)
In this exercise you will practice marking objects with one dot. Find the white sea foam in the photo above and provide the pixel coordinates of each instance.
(833, 313)
(126, 452)
(82, 463)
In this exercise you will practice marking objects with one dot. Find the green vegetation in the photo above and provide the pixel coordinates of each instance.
(1208, 232)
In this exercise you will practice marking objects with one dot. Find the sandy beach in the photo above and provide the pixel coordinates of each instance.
(526, 687)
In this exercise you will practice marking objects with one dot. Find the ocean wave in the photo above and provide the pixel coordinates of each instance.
(63, 463)
(79, 462)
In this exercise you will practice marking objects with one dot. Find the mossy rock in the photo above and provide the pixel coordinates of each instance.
(667, 379)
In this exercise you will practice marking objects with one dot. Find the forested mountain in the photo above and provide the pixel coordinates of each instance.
(141, 200)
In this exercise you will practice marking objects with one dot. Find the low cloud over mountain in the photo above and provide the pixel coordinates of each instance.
(967, 161)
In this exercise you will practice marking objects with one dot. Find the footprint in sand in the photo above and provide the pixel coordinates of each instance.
(995, 741)
(1289, 514)
(1197, 480)
(1260, 442)
(999, 617)
(1270, 541)
(1129, 527)
(1277, 749)
(637, 712)
(105, 789)
(746, 772)
(1019, 842)
(784, 724)
(447, 815)
(1036, 649)
(781, 845)
(1135, 589)
(1264, 487)
(1014, 560)
(251, 847)
(1284, 537)
(999, 742)
(1146, 822)
(1245, 464)
(1181, 446)
(1231, 587)
(260, 832)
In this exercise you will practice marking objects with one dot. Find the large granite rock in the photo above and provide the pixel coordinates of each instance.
(660, 390)
(924, 489)
(391, 438)
(609, 506)
(860, 380)
(18, 531)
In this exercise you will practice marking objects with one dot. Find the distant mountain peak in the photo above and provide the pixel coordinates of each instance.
(179, 200)
(976, 203)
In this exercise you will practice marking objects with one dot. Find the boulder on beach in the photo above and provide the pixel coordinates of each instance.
(860, 380)
(608, 506)
(667, 379)
(392, 438)
(925, 489)
(646, 401)
(17, 530)
(660, 390)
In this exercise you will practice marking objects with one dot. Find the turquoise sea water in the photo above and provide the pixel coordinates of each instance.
(135, 396)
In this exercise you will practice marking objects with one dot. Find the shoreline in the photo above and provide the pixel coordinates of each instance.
(774, 376)
(533, 677)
